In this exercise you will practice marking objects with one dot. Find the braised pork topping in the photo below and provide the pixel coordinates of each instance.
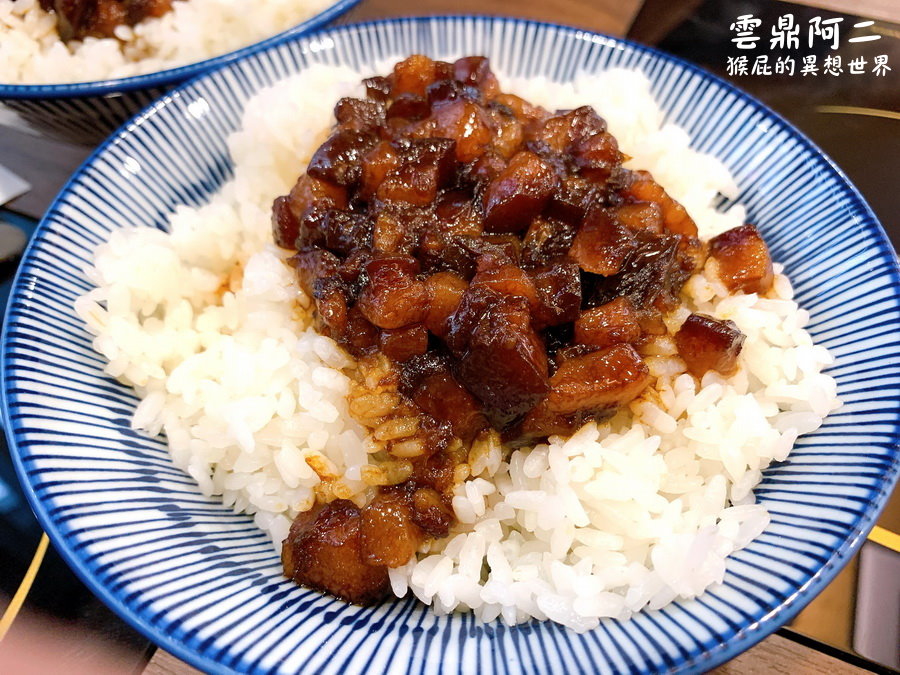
(78, 19)
(499, 269)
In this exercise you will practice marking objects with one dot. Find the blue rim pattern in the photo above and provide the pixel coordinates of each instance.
(166, 78)
(822, 500)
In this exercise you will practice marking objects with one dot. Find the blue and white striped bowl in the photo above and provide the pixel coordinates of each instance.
(87, 112)
(203, 583)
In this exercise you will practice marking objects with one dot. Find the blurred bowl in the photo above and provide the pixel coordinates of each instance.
(87, 112)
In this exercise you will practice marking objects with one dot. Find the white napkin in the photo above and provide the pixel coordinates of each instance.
(11, 185)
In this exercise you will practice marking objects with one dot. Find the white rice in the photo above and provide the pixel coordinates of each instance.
(32, 53)
(642, 510)
(623, 516)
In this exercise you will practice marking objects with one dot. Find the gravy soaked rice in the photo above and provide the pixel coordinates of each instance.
(209, 326)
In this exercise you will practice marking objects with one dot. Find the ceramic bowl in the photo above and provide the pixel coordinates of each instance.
(205, 584)
(87, 112)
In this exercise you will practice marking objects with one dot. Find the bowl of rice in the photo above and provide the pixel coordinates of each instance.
(171, 407)
(82, 89)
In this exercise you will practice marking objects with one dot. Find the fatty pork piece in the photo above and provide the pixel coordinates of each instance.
(708, 344)
(585, 386)
(609, 324)
(602, 379)
(743, 260)
(500, 358)
(394, 297)
(307, 202)
(396, 522)
(518, 193)
(428, 381)
(557, 286)
(324, 551)
(346, 551)
(651, 276)
(675, 217)
(388, 535)
(602, 245)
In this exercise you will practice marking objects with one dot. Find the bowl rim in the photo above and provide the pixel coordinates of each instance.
(746, 637)
(171, 76)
